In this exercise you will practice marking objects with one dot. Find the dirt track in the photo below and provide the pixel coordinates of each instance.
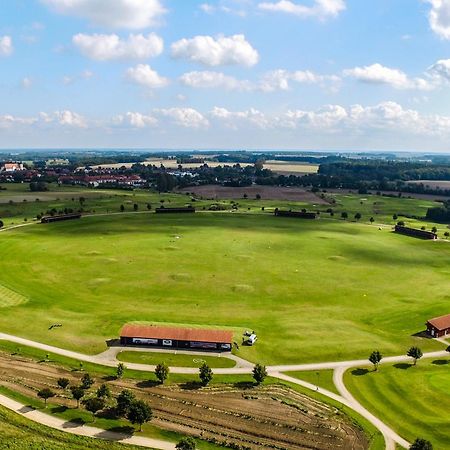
(257, 418)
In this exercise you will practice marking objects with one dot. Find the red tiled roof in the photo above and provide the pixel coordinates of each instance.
(181, 334)
(440, 323)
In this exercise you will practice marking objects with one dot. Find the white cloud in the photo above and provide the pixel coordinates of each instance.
(222, 50)
(321, 9)
(241, 119)
(9, 121)
(85, 75)
(439, 17)
(280, 79)
(65, 118)
(185, 117)
(210, 79)
(135, 120)
(440, 71)
(378, 74)
(6, 46)
(26, 82)
(129, 14)
(106, 47)
(145, 76)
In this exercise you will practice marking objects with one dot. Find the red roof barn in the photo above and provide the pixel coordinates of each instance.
(439, 326)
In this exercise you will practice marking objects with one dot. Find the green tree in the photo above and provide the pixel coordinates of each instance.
(124, 401)
(415, 353)
(162, 372)
(421, 444)
(103, 391)
(186, 443)
(372, 220)
(63, 383)
(86, 381)
(375, 358)
(446, 234)
(358, 216)
(1, 224)
(139, 412)
(135, 206)
(434, 230)
(120, 370)
(395, 217)
(344, 215)
(45, 394)
(122, 208)
(205, 374)
(77, 394)
(259, 373)
(93, 405)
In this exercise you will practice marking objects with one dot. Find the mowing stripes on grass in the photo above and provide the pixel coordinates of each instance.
(8, 297)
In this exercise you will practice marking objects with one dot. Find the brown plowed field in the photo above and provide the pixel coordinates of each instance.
(269, 417)
(295, 194)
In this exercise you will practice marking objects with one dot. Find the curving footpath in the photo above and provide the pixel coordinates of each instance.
(108, 358)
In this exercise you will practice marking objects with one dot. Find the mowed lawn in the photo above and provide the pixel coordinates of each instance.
(414, 401)
(312, 290)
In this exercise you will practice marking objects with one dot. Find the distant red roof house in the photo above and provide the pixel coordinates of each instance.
(11, 167)
(439, 326)
(177, 337)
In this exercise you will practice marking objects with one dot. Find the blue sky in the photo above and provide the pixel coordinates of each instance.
(300, 74)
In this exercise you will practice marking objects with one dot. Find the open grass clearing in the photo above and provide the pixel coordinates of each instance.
(320, 378)
(305, 278)
(413, 400)
(174, 360)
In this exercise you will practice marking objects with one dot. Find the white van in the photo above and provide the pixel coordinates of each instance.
(252, 339)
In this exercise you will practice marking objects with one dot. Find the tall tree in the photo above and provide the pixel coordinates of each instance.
(139, 412)
(77, 393)
(124, 401)
(186, 443)
(205, 374)
(259, 373)
(375, 358)
(421, 444)
(45, 394)
(162, 372)
(120, 370)
(93, 405)
(86, 381)
(415, 353)
(63, 383)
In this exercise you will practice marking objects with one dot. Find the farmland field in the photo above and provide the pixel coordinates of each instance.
(414, 400)
(313, 291)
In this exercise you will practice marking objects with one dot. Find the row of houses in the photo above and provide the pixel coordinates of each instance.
(104, 179)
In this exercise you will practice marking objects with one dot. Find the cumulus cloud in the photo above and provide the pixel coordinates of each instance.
(6, 45)
(239, 119)
(321, 9)
(106, 47)
(26, 82)
(135, 120)
(129, 14)
(280, 79)
(218, 51)
(211, 79)
(439, 17)
(65, 118)
(378, 74)
(145, 76)
(440, 71)
(185, 117)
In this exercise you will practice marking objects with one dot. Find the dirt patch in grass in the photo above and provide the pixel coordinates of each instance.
(266, 192)
(260, 418)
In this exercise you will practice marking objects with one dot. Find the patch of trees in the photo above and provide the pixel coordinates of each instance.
(440, 213)
(38, 186)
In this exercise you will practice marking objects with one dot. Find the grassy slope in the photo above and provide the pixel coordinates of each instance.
(321, 378)
(18, 433)
(289, 280)
(415, 401)
(174, 360)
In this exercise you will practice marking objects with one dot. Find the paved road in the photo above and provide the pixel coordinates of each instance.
(81, 430)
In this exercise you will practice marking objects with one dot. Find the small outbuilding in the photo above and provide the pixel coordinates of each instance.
(164, 210)
(421, 234)
(60, 217)
(439, 326)
(174, 337)
(297, 214)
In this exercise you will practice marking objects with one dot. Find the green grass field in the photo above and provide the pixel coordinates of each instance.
(292, 281)
(173, 360)
(414, 401)
(320, 378)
